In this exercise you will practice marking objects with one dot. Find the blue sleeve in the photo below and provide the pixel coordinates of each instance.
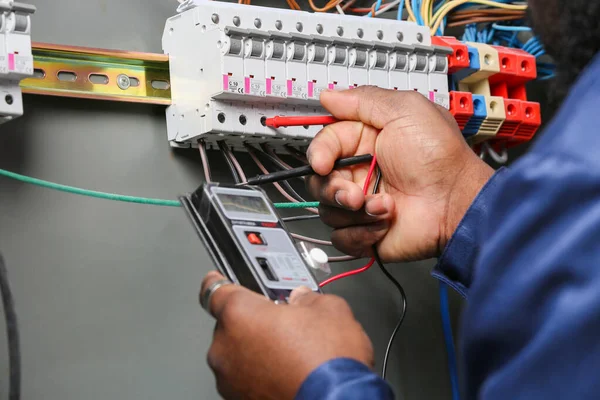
(344, 379)
(455, 266)
(532, 323)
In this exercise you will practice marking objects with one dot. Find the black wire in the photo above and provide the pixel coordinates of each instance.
(288, 188)
(12, 334)
(301, 217)
(236, 176)
(398, 286)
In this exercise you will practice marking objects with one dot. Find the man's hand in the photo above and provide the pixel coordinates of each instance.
(261, 350)
(429, 174)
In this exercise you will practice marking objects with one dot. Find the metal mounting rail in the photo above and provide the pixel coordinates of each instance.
(89, 73)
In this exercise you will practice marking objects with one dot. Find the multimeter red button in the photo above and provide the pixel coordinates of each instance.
(254, 238)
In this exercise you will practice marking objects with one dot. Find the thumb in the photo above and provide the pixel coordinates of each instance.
(302, 296)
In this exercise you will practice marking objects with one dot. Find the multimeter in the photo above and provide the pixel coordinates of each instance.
(247, 240)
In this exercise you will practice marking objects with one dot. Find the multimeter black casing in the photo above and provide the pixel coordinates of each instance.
(247, 240)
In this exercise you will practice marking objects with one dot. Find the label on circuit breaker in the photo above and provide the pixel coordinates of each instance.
(314, 91)
(232, 85)
(255, 87)
(3, 65)
(21, 64)
(276, 88)
(297, 90)
(440, 99)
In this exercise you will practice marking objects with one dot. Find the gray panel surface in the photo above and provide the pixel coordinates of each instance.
(106, 292)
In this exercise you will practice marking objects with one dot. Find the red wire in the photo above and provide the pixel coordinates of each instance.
(372, 260)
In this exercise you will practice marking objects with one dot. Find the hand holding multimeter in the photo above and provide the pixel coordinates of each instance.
(246, 238)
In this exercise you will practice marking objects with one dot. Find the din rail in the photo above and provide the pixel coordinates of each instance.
(89, 73)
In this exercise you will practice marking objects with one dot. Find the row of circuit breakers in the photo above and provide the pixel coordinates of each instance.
(232, 66)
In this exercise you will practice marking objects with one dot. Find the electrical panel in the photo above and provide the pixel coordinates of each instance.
(16, 59)
(232, 66)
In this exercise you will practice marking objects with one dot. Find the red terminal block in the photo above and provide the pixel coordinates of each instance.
(517, 67)
(278, 122)
(514, 118)
(461, 107)
(459, 58)
(531, 120)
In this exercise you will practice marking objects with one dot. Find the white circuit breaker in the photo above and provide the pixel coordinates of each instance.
(232, 66)
(16, 59)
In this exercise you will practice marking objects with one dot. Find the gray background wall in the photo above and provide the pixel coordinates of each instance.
(106, 292)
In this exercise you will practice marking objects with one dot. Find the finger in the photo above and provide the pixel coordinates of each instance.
(358, 240)
(303, 296)
(339, 140)
(372, 105)
(334, 190)
(225, 293)
(378, 207)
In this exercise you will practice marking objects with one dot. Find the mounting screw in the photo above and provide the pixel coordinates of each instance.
(8, 99)
(399, 36)
(420, 37)
(379, 35)
(214, 18)
(257, 23)
(299, 26)
(123, 82)
(236, 21)
(319, 28)
(278, 25)
(340, 31)
(360, 33)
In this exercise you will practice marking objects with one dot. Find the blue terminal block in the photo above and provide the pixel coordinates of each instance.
(479, 115)
(474, 65)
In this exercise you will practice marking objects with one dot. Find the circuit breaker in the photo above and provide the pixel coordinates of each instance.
(232, 66)
(16, 59)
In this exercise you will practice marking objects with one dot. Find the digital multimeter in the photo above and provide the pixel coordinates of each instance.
(247, 240)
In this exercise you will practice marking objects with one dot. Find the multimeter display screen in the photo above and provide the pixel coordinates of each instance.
(244, 204)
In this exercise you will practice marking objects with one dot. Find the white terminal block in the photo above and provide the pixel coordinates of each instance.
(232, 66)
(16, 58)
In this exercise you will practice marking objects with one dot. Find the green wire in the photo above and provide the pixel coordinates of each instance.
(121, 197)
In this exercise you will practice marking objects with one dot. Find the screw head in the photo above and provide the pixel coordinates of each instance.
(400, 36)
(278, 25)
(257, 23)
(360, 33)
(379, 35)
(123, 82)
(420, 37)
(9, 99)
(340, 31)
(299, 26)
(236, 21)
(214, 18)
(319, 28)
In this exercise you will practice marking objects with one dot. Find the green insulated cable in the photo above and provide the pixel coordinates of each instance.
(121, 197)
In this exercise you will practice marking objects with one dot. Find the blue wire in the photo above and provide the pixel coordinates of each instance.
(449, 340)
(400, 9)
(511, 28)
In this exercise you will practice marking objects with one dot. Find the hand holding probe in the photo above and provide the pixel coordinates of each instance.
(305, 170)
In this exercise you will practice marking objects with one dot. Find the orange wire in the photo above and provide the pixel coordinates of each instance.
(330, 5)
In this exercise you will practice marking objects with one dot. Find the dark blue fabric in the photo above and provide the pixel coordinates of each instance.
(528, 255)
(344, 379)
